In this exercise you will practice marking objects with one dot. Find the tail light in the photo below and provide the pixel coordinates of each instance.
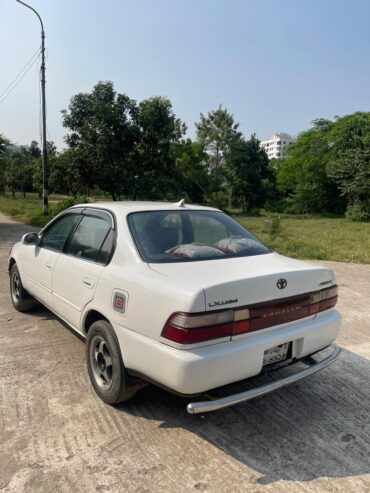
(323, 300)
(188, 328)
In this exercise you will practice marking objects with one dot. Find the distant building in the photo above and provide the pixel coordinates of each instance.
(276, 145)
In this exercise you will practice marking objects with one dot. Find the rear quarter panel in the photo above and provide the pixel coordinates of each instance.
(150, 298)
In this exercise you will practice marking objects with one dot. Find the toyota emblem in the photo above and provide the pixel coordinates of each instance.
(282, 283)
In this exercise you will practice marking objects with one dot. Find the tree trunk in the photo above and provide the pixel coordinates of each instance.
(230, 201)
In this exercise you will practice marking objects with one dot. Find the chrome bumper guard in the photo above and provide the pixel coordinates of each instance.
(231, 400)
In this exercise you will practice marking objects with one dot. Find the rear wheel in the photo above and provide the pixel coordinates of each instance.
(107, 374)
(21, 299)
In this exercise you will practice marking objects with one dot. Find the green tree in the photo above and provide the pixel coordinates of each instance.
(104, 133)
(34, 149)
(250, 177)
(193, 177)
(217, 132)
(70, 173)
(349, 163)
(155, 156)
(303, 172)
(18, 171)
(5, 145)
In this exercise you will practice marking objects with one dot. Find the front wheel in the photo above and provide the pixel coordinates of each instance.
(22, 301)
(107, 374)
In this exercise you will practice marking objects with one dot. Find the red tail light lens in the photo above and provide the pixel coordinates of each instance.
(187, 328)
(328, 298)
(242, 322)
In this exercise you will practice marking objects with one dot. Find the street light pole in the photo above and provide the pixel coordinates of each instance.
(44, 148)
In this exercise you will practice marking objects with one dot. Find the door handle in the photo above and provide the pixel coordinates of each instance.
(49, 266)
(88, 283)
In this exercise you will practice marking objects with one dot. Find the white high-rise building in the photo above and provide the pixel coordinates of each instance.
(276, 145)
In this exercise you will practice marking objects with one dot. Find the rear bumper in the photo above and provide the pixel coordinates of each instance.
(193, 371)
(232, 400)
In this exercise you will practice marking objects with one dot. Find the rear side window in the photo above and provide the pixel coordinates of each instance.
(89, 237)
(55, 235)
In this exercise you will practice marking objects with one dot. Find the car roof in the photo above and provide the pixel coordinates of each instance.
(126, 207)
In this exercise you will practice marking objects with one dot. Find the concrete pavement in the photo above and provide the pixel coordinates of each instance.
(57, 436)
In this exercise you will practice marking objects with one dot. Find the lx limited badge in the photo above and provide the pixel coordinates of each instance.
(222, 302)
(282, 283)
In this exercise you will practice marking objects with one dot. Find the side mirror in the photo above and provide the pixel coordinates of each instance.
(30, 239)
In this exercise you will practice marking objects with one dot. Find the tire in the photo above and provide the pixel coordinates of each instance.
(107, 374)
(21, 299)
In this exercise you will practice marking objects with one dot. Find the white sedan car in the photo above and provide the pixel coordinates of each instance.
(178, 295)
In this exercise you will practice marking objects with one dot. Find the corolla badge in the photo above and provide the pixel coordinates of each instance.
(282, 283)
(222, 302)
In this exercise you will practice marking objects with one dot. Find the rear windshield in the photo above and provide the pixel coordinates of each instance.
(179, 236)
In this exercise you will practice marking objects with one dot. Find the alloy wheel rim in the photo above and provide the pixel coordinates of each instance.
(101, 363)
(16, 287)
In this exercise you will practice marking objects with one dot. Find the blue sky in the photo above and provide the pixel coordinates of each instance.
(275, 64)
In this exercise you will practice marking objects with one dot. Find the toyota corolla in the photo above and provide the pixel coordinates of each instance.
(178, 295)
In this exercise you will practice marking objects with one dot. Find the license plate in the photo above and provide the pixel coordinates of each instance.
(275, 354)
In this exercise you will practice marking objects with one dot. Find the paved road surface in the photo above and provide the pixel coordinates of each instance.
(57, 436)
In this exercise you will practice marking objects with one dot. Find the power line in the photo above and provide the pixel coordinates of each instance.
(19, 77)
(32, 57)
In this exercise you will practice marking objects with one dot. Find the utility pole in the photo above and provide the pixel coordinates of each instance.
(44, 148)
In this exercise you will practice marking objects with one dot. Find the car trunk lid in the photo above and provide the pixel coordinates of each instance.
(245, 281)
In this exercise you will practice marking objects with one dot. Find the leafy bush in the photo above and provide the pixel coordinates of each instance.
(275, 226)
(64, 204)
(279, 205)
(359, 211)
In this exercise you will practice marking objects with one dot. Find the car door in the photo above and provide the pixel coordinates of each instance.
(77, 271)
(38, 261)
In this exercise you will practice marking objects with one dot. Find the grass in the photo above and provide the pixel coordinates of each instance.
(28, 210)
(310, 237)
(305, 237)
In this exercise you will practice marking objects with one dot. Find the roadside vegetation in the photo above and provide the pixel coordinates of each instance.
(29, 210)
(298, 236)
(314, 237)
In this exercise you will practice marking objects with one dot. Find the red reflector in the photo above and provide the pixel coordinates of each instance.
(119, 302)
(241, 327)
(314, 308)
(326, 304)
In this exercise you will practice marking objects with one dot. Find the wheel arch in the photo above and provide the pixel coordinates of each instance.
(90, 317)
(11, 262)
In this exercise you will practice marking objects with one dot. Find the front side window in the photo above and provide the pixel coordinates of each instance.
(56, 234)
(88, 238)
(175, 236)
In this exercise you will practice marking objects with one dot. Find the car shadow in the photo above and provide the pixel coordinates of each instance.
(316, 428)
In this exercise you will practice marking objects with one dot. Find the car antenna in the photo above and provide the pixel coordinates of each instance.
(181, 203)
